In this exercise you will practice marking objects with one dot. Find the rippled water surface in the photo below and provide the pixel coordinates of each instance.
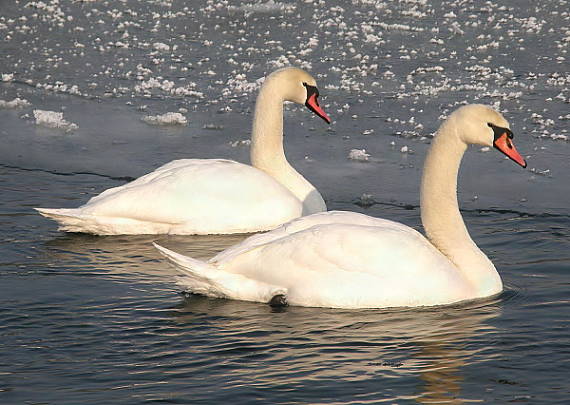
(97, 320)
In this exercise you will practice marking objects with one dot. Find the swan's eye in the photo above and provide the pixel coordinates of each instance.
(305, 84)
(490, 125)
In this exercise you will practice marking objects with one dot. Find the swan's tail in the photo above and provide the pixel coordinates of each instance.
(69, 219)
(204, 278)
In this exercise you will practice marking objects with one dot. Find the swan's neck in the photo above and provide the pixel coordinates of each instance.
(267, 152)
(441, 218)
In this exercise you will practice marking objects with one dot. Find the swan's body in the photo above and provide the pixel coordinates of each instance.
(349, 260)
(329, 259)
(198, 196)
(213, 196)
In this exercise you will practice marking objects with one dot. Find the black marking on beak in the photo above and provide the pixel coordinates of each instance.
(311, 90)
(312, 102)
(500, 131)
(503, 144)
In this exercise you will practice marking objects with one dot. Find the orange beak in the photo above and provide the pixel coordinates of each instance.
(505, 144)
(312, 103)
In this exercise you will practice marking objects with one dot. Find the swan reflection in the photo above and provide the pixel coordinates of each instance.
(409, 354)
(128, 256)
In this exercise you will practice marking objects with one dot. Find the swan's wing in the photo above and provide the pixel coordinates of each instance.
(352, 266)
(297, 225)
(165, 170)
(205, 192)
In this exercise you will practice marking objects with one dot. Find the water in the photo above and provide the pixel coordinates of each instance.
(88, 319)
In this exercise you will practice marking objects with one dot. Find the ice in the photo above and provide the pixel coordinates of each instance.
(213, 127)
(16, 103)
(159, 46)
(366, 200)
(240, 85)
(372, 60)
(358, 154)
(241, 142)
(268, 7)
(152, 85)
(541, 172)
(169, 118)
(53, 119)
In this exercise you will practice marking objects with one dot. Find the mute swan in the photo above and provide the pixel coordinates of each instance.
(350, 260)
(214, 196)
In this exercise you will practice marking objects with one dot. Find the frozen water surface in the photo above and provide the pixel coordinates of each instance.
(108, 326)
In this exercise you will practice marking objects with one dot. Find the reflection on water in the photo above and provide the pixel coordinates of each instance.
(308, 346)
(130, 256)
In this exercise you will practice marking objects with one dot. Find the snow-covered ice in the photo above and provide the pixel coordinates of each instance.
(358, 154)
(53, 119)
(386, 71)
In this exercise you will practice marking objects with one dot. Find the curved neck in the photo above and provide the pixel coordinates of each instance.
(267, 133)
(441, 218)
(267, 152)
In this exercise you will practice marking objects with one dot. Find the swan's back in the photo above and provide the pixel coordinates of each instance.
(294, 226)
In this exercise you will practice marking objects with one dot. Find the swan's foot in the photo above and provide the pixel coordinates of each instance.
(279, 300)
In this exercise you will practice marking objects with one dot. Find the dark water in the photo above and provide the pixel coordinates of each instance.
(99, 320)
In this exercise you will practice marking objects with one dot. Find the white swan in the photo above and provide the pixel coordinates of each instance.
(211, 196)
(349, 260)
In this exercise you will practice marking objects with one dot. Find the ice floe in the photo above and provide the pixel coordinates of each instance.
(359, 155)
(53, 119)
(15, 103)
(169, 118)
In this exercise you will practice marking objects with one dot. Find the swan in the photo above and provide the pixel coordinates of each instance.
(214, 196)
(349, 260)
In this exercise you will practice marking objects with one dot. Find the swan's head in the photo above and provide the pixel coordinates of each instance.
(298, 86)
(481, 125)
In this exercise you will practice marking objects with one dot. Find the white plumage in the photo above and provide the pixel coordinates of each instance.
(312, 262)
(197, 196)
